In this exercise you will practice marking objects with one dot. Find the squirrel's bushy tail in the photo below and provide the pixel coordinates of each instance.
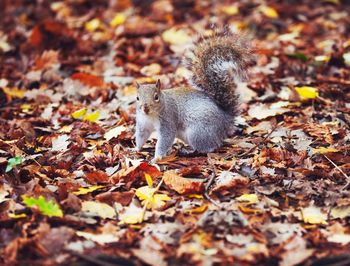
(217, 62)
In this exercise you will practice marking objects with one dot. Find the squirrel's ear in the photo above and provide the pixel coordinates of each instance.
(137, 85)
(158, 85)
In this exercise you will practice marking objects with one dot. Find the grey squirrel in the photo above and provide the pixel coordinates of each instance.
(202, 115)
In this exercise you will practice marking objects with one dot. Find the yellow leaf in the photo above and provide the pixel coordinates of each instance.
(149, 180)
(269, 11)
(86, 190)
(118, 19)
(102, 210)
(176, 36)
(26, 107)
(249, 198)
(144, 193)
(93, 24)
(79, 113)
(14, 92)
(195, 196)
(131, 215)
(231, 10)
(92, 117)
(306, 92)
(17, 216)
(154, 201)
(313, 215)
(323, 150)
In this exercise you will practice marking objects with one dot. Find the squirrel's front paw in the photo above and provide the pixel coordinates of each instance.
(156, 159)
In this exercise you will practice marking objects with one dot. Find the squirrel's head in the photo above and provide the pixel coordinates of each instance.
(149, 98)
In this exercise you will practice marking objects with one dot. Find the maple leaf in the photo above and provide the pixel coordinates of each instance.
(48, 208)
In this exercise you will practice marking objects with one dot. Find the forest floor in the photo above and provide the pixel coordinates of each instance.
(73, 191)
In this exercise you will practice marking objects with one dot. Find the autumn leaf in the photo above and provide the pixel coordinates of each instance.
(99, 209)
(313, 215)
(182, 185)
(93, 117)
(79, 113)
(93, 24)
(325, 150)
(176, 36)
(154, 201)
(13, 162)
(88, 79)
(248, 198)
(306, 92)
(48, 208)
(118, 19)
(83, 190)
(268, 11)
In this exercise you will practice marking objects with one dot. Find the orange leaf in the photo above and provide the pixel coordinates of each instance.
(182, 185)
(36, 37)
(88, 79)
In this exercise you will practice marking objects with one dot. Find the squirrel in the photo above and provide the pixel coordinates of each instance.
(202, 114)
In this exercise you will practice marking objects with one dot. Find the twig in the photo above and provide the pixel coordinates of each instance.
(341, 171)
(148, 200)
(210, 182)
(263, 140)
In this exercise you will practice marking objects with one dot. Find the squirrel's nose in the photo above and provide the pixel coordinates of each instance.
(146, 109)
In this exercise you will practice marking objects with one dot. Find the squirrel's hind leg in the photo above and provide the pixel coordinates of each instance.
(204, 141)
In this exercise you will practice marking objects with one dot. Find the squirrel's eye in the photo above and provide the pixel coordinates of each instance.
(156, 97)
(137, 98)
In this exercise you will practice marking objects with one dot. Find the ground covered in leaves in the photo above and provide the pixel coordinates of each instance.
(74, 192)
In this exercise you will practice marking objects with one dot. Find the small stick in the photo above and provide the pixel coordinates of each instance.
(210, 182)
(341, 171)
(265, 138)
(148, 200)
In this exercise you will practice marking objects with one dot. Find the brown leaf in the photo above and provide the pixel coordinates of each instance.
(97, 177)
(124, 198)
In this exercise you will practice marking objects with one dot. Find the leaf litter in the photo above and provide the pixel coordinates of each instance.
(74, 190)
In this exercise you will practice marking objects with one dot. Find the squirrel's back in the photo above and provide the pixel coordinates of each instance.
(193, 106)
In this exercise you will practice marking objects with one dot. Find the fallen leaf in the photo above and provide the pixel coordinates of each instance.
(101, 239)
(118, 19)
(346, 58)
(79, 113)
(93, 24)
(48, 208)
(306, 92)
(60, 143)
(102, 210)
(268, 11)
(88, 79)
(114, 132)
(324, 150)
(154, 201)
(13, 162)
(248, 198)
(313, 215)
(93, 117)
(83, 190)
(182, 185)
